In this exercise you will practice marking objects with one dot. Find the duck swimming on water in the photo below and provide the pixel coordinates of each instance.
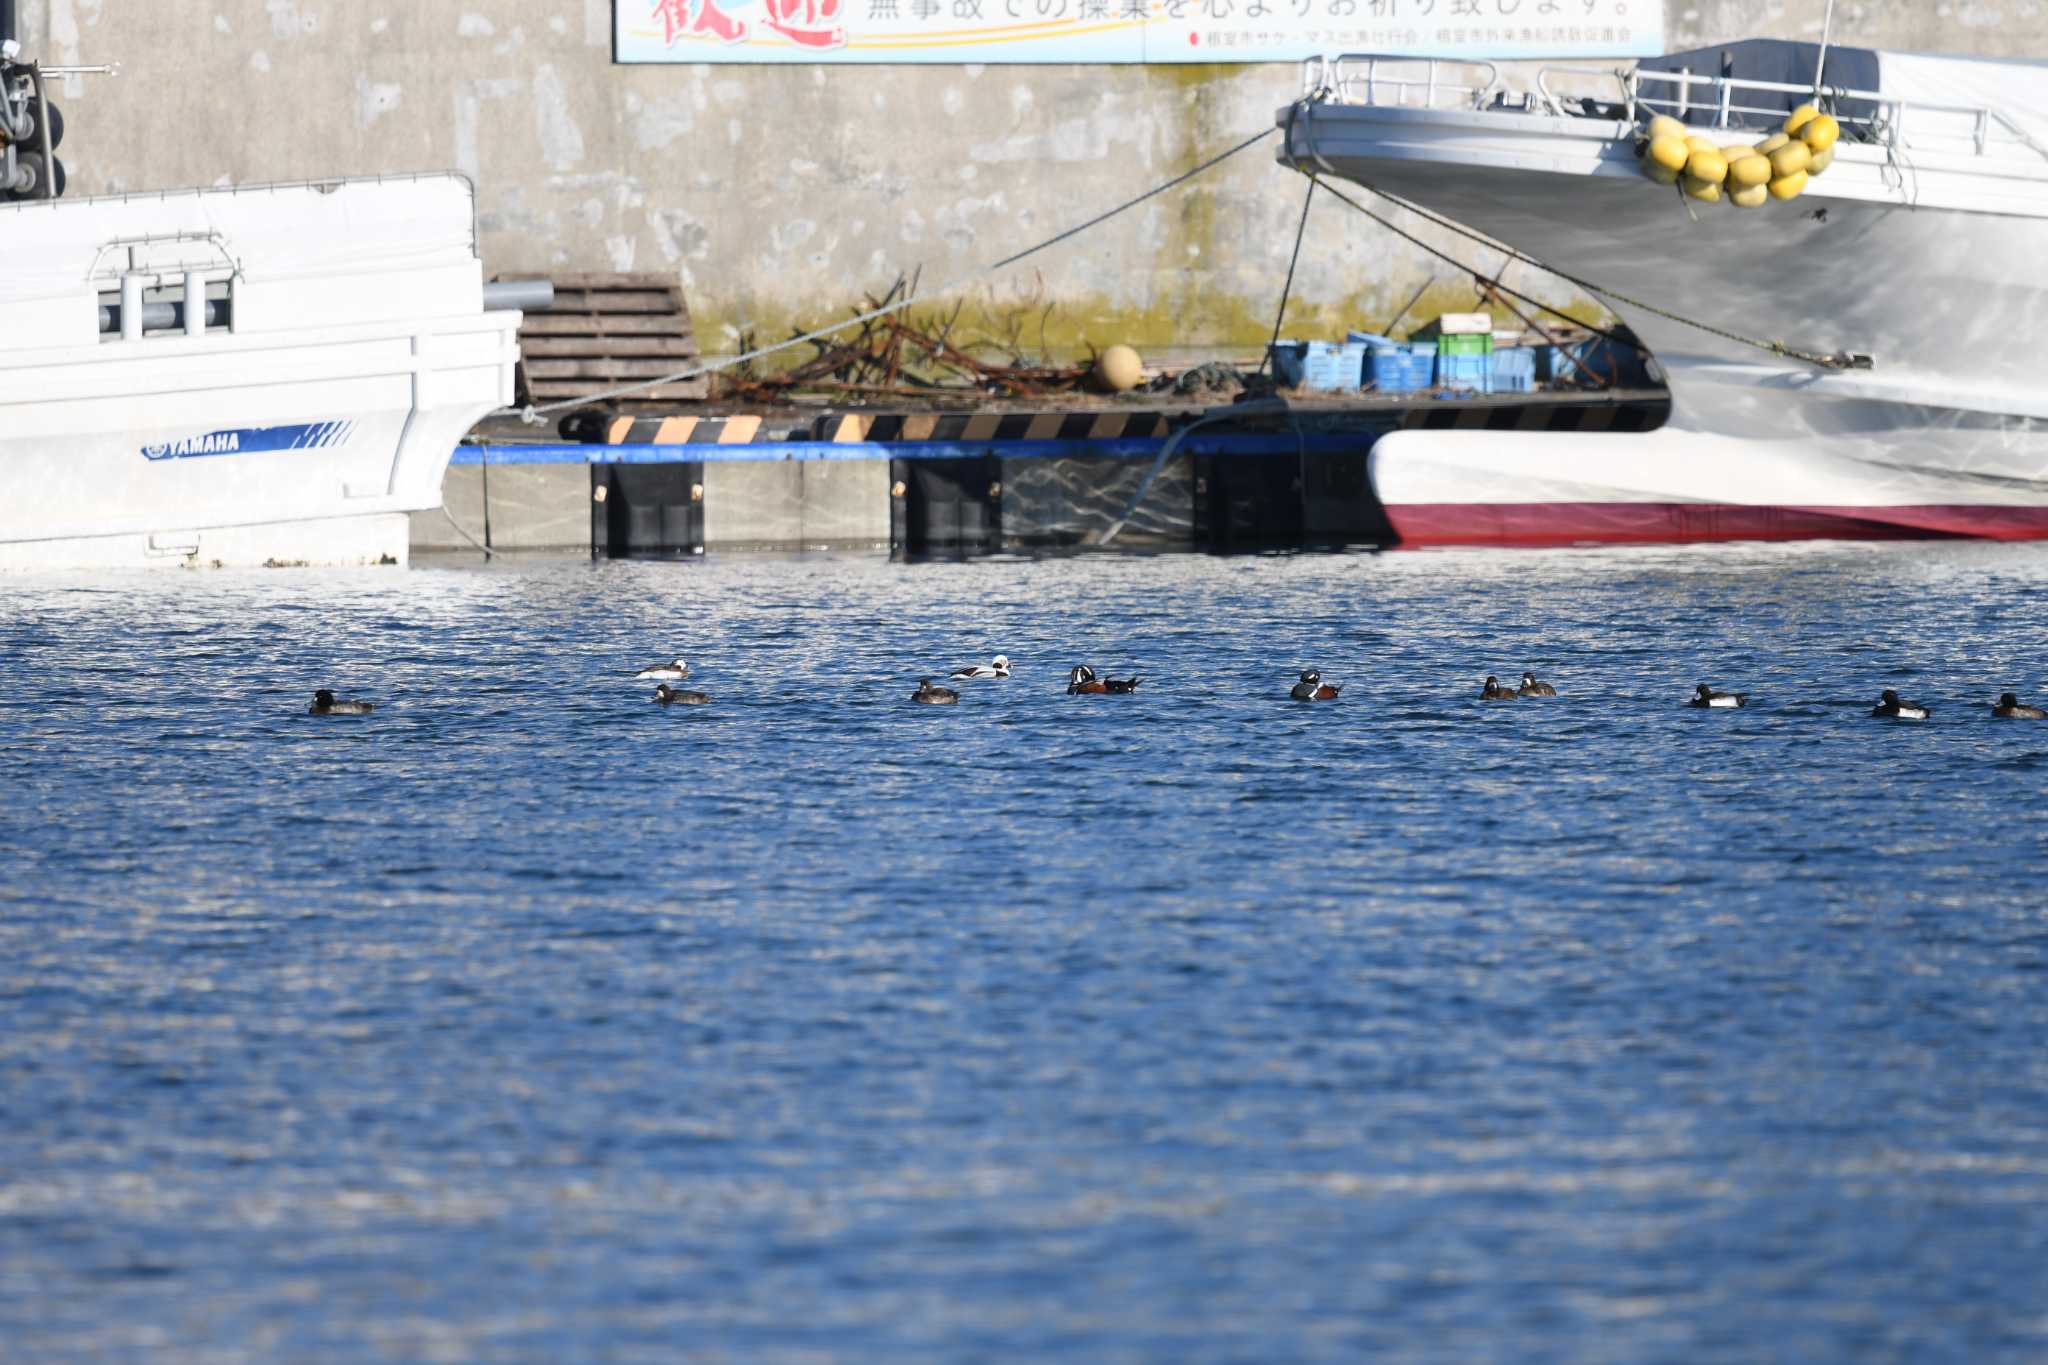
(2009, 708)
(1082, 680)
(1313, 688)
(1890, 705)
(1495, 692)
(934, 696)
(676, 696)
(1704, 695)
(668, 672)
(999, 667)
(324, 704)
(1532, 688)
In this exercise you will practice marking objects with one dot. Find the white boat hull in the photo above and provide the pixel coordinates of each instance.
(1946, 434)
(303, 433)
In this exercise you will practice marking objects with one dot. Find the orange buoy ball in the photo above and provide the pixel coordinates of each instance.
(1788, 186)
(1820, 132)
(1749, 170)
(1668, 152)
(1706, 191)
(1790, 158)
(1707, 164)
(1119, 369)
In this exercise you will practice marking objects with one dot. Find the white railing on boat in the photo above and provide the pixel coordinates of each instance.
(1867, 116)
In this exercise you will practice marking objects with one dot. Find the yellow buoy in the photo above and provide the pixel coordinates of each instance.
(1772, 143)
(1793, 156)
(1820, 132)
(1700, 142)
(1749, 169)
(1665, 126)
(1750, 196)
(1119, 369)
(1669, 152)
(1821, 161)
(1707, 191)
(1788, 186)
(1707, 165)
(1663, 175)
(1799, 118)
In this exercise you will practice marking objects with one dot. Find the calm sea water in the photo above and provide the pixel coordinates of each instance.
(526, 1021)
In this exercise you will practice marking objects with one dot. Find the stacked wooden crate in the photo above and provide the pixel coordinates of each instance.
(606, 329)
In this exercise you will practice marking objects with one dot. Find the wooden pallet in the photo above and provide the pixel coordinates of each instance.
(606, 329)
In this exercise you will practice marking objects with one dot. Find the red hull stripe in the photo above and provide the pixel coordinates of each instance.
(1582, 523)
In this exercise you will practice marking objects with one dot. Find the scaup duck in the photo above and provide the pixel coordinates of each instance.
(997, 668)
(1082, 680)
(676, 696)
(1704, 695)
(669, 672)
(324, 704)
(1890, 705)
(2009, 708)
(934, 696)
(1313, 688)
(1493, 691)
(1532, 688)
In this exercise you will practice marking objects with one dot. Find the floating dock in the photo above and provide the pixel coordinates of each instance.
(1275, 473)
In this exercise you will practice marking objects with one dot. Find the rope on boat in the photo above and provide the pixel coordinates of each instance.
(1453, 261)
(1300, 231)
(1840, 360)
(532, 414)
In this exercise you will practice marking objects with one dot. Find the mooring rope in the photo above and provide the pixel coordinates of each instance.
(532, 414)
(1300, 231)
(1841, 360)
(1451, 260)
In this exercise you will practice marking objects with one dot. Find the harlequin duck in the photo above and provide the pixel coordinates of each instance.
(1890, 705)
(669, 672)
(677, 696)
(2010, 709)
(1083, 680)
(1704, 695)
(1532, 688)
(934, 696)
(324, 704)
(999, 668)
(1313, 688)
(1495, 692)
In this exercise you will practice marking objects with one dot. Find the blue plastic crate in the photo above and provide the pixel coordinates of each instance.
(1391, 372)
(1287, 358)
(1402, 368)
(1514, 370)
(1333, 366)
(1422, 363)
(1474, 372)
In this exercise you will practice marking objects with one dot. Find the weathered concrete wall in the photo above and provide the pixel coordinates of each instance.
(783, 194)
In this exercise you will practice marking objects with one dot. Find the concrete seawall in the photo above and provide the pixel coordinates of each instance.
(779, 195)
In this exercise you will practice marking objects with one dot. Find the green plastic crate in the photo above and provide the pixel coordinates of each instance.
(1472, 343)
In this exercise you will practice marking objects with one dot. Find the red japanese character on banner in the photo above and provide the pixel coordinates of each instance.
(812, 23)
(682, 17)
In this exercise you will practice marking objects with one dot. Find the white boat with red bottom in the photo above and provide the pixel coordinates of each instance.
(1920, 249)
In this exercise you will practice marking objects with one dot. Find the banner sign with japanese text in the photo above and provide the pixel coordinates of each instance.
(1127, 30)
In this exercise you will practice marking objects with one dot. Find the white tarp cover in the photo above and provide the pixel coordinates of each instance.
(2017, 90)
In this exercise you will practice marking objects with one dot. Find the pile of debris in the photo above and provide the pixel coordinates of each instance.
(900, 356)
